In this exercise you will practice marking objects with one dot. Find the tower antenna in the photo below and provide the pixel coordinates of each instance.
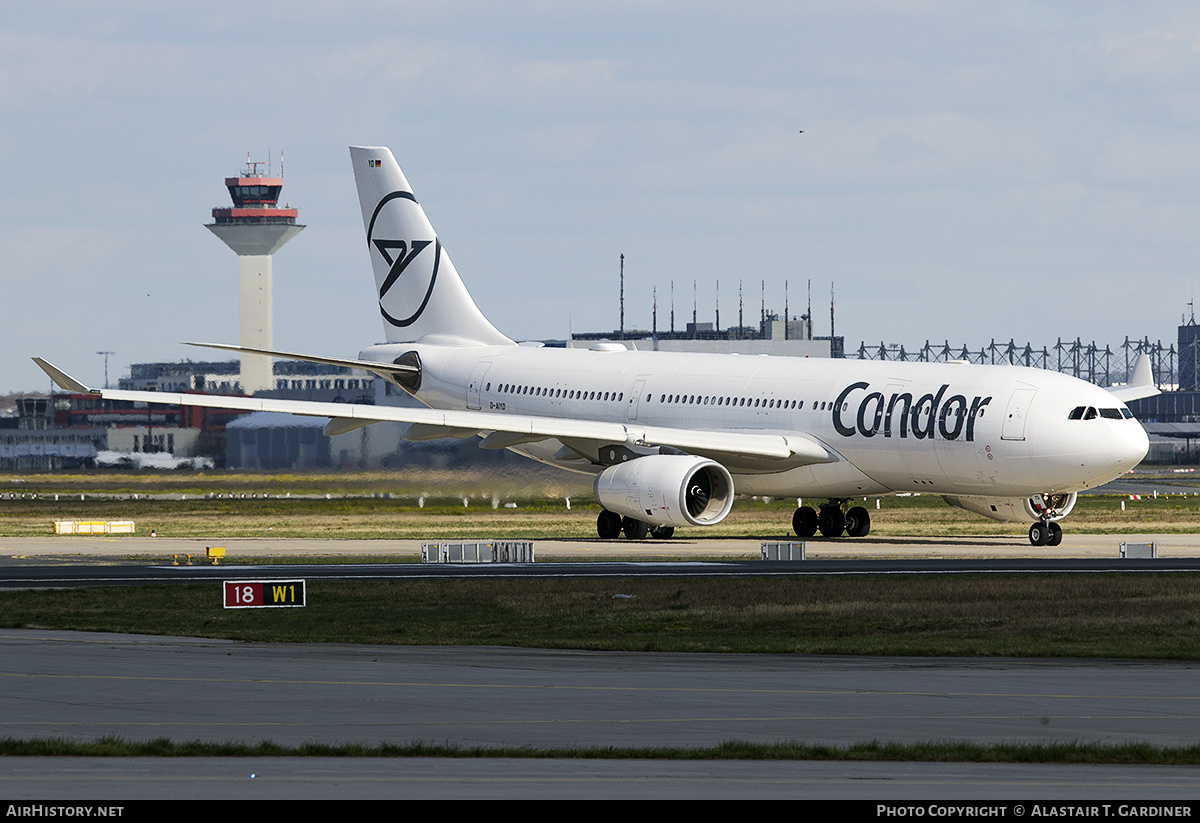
(832, 333)
(106, 354)
(622, 297)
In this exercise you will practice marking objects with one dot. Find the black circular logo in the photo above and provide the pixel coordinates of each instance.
(400, 256)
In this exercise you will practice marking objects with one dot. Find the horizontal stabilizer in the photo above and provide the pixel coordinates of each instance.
(381, 369)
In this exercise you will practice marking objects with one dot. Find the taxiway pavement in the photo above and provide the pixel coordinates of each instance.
(81, 686)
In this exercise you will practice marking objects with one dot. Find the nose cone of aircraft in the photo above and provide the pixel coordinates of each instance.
(1113, 448)
(1130, 445)
(1091, 449)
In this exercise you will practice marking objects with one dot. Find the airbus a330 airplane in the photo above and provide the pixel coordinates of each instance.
(671, 438)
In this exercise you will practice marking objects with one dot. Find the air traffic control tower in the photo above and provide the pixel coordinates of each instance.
(255, 228)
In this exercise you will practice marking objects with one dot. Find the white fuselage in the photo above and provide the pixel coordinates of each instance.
(893, 427)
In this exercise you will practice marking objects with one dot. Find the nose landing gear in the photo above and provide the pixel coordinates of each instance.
(1047, 508)
(1044, 533)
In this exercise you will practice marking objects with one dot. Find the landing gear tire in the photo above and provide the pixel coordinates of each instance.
(1055, 535)
(608, 525)
(858, 522)
(1039, 534)
(634, 529)
(662, 532)
(831, 521)
(804, 521)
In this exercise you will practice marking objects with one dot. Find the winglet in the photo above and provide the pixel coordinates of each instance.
(62, 379)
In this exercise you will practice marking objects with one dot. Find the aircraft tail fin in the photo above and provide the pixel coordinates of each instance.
(420, 293)
(1141, 382)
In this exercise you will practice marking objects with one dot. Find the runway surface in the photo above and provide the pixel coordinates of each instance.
(1074, 545)
(320, 778)
(25, 575)
(37, 562)
(82, 686)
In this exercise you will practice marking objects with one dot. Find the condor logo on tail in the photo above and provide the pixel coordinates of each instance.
(402, 308)
(927, 417)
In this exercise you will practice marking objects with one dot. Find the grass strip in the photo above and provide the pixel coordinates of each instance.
(923, 752)
(395, 506)
(1146, 616)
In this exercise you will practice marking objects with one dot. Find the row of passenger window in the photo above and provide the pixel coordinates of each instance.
(679, 399)
(565, 394)
(1091, 413)
(740, 402)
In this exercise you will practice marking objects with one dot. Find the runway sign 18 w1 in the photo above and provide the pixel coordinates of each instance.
(264, 594)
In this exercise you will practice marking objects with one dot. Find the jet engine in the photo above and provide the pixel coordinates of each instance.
(1048, 507)
(667, 490)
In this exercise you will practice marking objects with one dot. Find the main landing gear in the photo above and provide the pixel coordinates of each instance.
(1045, 533)
(833, 520)
(610, 526)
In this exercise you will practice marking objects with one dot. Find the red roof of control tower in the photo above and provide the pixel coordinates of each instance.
(255, 199)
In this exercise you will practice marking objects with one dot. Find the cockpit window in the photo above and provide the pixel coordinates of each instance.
(1091, 413)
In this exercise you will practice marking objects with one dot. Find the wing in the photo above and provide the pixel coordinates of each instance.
(753, 451)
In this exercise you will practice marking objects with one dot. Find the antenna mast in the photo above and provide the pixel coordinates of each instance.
(622, 297)
(785, 309)
(718, 301)
(832, 333)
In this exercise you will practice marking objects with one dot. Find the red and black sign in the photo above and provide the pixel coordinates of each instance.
(259, 594)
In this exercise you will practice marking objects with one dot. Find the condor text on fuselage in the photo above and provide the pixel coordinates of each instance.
(926, 417)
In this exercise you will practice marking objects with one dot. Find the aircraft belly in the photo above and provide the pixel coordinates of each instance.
(911, 465)
(841, 479)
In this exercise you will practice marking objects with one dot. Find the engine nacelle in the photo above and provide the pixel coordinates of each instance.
(1048, 507)
(667, 490)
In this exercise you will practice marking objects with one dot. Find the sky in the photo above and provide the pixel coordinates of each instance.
(955, 171)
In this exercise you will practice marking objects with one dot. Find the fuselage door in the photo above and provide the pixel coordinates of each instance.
(1014, 417)
(635, 397)
(475, 384)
